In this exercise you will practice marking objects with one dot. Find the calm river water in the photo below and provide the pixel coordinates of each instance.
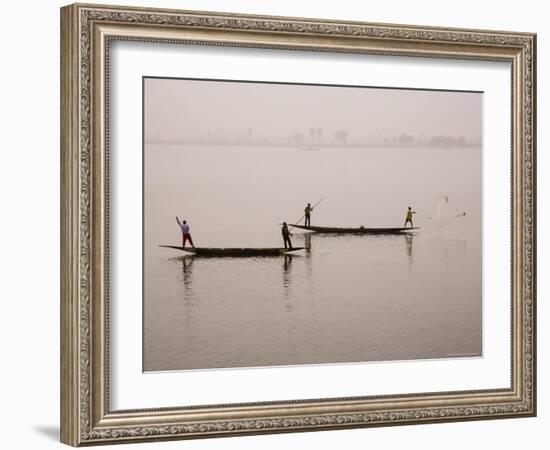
(346, 299)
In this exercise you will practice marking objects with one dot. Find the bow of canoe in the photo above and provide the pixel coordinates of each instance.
(235, 252)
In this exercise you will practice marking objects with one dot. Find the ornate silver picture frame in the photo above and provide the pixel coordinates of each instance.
(87, 414)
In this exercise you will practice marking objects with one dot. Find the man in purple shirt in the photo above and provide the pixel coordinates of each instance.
(186, 235)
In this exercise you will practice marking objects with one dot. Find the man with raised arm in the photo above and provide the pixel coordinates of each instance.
(186, 235)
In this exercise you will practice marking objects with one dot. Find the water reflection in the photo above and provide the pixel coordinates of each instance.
(187, 277)
(310, 241)
(187, 271)
(409, 249)
(287, 282)
(307, 243)
(309, 259)
(364, 281)
(301, 304)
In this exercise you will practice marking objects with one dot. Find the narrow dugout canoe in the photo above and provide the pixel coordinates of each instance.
(234, 252)
(357, 230)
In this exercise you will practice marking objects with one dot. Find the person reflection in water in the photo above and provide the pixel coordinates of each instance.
(409, 245)
(287, 282)
(185, 232)
(307, 242)
(187, 275)
(286, 236)
(287, 264)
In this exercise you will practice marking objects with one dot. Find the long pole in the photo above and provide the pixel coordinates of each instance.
(313, 207)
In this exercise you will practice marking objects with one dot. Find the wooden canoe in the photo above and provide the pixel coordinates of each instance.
(357, 230)
(235, 252)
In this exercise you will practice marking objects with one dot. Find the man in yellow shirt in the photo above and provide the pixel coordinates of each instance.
(409, 217)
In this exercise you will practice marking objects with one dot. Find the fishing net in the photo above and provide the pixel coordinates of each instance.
(444, 212)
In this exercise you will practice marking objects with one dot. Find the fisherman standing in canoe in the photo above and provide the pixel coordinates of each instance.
(409, 217)
(186, 235)
(307, 214)
(286, 236)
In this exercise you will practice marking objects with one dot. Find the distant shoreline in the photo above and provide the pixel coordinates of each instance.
(315, 147)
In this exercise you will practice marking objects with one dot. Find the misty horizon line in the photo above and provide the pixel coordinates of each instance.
(432, 142)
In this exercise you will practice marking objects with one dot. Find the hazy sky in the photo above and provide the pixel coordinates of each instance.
(176, 109)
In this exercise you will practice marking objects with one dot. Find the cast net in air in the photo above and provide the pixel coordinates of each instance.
(444, 212)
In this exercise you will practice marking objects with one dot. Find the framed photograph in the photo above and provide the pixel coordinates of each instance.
(276, 224)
